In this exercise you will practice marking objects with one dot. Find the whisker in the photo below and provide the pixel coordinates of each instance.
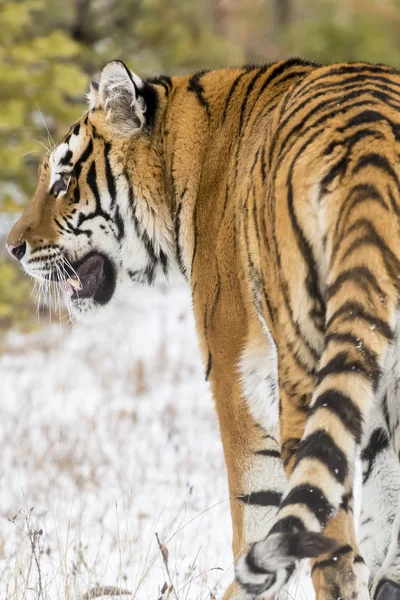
(47, 129)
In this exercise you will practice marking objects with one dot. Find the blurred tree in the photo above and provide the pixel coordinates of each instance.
(50, 48)
(39, 77)
(332, 30)
(283, 11)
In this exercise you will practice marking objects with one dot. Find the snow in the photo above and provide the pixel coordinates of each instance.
(109, 434)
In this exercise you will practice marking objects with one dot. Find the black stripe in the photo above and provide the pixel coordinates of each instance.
(195, 232)
(313, 498)
(339, 168)
(209, 366)
(392, 263)
(385, 411)
(197, 88)
(288, 525)
(358, 343)
(66, 158)
(365, 116)
(119, 222)
(350, 311)
(277, 70)
(59, 225)
(352, 139)
(144, 237)
(312, 280)
(321, 446)
(359, 276)
(362, 69)
(249, 89)
(377, 443)
(384, 93)
(164, 80)
(231, 91)
(378, 161)
(262, 498)
(364, 78)
(251, 563)
(340, 363)
(109, 174)
(359, 559)
(289, 449)
(83, 158)
(324, 105)
(177, 227)
(300, 124)
(164, 262)
(346, 500)
(333, 561)
(343, 407)
(362, 192)
(286, 296)
(91, 179)
(271, 453)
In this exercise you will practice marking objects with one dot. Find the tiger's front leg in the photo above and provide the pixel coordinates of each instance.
(248, 410)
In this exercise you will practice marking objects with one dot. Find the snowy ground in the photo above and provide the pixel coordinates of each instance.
(109, 436)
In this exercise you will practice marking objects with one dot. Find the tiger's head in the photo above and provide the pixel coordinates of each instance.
(99, 218)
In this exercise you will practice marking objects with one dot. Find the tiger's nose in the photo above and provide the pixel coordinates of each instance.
(17, 252)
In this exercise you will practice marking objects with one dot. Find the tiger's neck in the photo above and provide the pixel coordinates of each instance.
(210, 119)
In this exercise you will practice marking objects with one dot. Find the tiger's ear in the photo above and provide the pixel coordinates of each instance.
(93, 95)
(120, 94)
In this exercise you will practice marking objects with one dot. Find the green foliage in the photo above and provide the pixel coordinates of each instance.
(329, 31)
(50, 49)
(39, 74)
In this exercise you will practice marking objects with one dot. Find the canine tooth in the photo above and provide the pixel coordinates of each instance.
(75, 283)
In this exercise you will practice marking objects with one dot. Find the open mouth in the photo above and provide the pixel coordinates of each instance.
(92, 277)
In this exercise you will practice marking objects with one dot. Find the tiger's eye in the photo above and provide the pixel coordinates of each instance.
(61, 185)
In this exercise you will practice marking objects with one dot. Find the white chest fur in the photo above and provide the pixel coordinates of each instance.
(259, 371)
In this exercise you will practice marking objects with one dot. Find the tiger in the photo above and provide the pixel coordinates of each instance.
(274, 192)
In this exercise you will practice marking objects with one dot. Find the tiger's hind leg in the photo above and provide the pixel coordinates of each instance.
(380, 495)
(380, 513)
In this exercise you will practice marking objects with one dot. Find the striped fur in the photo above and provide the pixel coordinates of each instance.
(275, 191)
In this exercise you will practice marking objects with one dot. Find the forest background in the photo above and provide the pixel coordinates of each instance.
(51, 49)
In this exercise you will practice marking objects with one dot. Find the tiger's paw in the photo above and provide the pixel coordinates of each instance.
(269, 564)
(341, 574)
(387, 585)
(387, 590)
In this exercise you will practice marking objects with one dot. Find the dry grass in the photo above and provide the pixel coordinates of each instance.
(100, 430)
